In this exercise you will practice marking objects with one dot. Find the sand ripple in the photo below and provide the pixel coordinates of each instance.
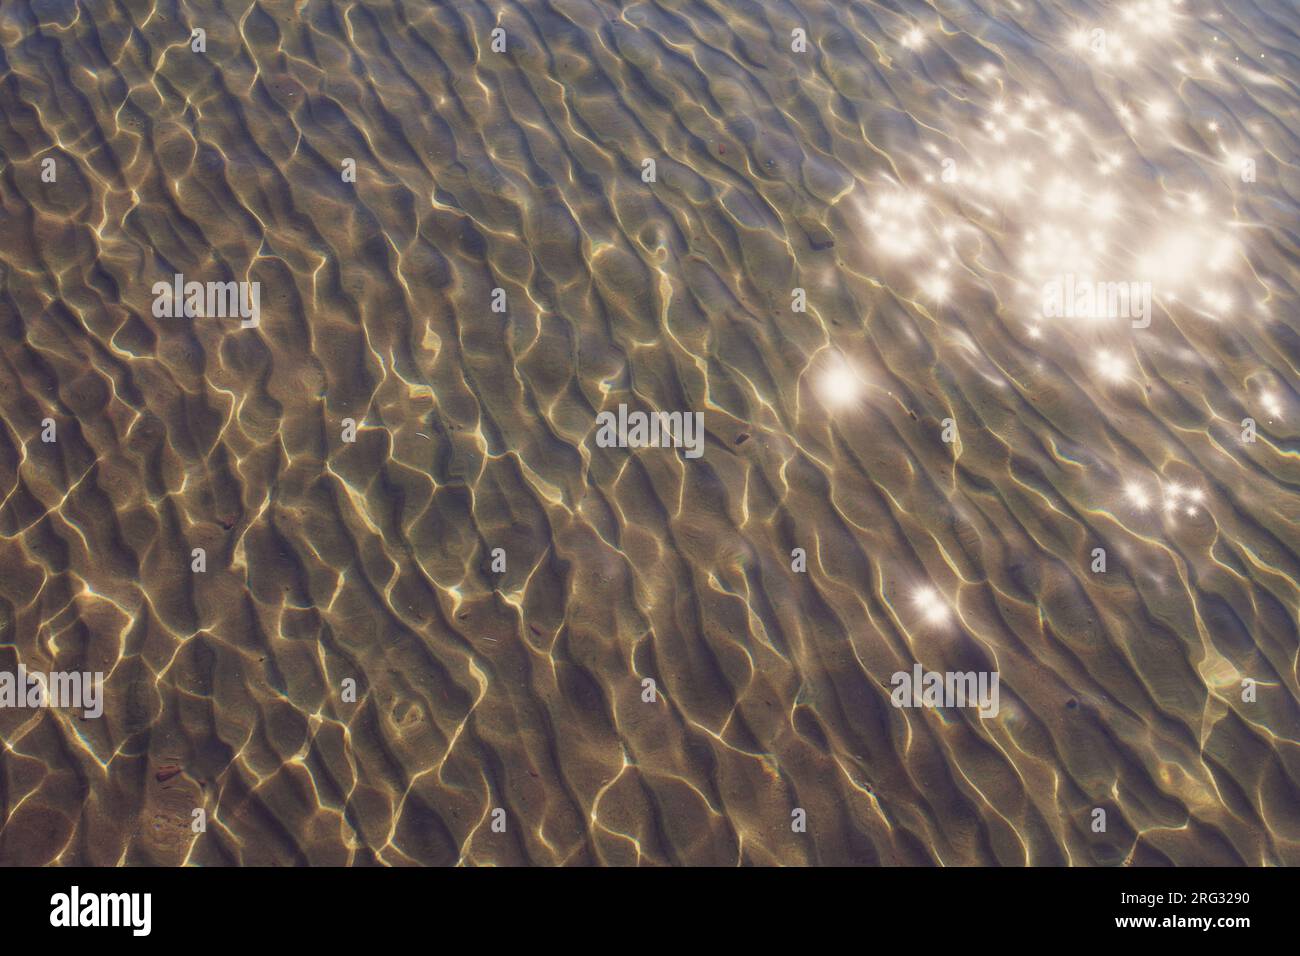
(372, 561)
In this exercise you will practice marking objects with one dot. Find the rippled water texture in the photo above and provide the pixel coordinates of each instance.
(919, 171)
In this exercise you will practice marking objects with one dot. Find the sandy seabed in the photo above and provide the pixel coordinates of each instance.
(908, 463)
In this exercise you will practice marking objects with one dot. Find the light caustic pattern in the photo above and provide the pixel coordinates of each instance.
(948, 451)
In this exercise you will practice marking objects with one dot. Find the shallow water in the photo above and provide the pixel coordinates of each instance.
(947, 458)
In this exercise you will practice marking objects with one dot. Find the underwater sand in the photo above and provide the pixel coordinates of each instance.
(371, 561)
